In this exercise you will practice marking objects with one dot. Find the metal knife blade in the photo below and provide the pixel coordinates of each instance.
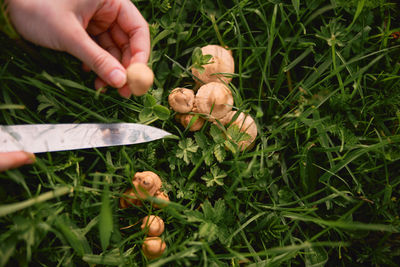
(38, 138)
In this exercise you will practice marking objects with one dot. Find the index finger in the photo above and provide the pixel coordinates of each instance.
(136, 27)
(10, 160)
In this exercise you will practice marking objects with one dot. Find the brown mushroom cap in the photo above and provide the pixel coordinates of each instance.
(185, 119)
(153, 225)
(128, 199)
(226, 119)
(162, 196)
(181, 100)
(214, 100)
(222, 63)
(153, 247)
(146, 183)
(139, 78)
(245, 124)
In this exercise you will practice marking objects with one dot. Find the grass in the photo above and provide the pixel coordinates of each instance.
(321, 186)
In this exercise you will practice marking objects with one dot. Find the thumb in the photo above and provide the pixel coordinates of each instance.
(12, 160)
(78, 43)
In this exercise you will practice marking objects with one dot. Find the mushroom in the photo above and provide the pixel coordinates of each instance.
(222, 63)
(146, 183)
(129, 198)
(214, 100)
(139, 78)
(245, 124)
(181, 100)
(153, 225)
(185, 119)
(163, 197)
(153, 247)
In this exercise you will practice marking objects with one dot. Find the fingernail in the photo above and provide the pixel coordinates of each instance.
(30, 158)
(117, 78)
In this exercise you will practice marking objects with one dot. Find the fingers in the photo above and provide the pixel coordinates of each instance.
(135, 26)
(121, 39)
(99, 83)
(106, 66)
(120, 30)
(12, 160)
(124, 91)
(107, 43)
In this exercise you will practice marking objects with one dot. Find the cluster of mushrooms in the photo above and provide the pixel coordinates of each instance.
(213, 100)
(148, 184)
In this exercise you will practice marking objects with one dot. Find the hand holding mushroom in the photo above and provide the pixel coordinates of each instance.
(107, 38)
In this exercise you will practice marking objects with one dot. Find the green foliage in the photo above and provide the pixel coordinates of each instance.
(186, 149)
(214, 176)
(213, 221)
(199, 60)
(5, 24)
(105, 220)
(152, 111)
(319, 188)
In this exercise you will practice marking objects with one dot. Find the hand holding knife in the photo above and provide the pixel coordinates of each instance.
(37, 138)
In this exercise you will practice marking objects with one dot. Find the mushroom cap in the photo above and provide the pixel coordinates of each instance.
(181, 100)
(146, 183)
(153, 247)
(214, 100)
(226, 119)
(153, 225)
(163, 196)
(129, 198)
(139, 78)
(245, 124)
(222, 63)
(185, 119)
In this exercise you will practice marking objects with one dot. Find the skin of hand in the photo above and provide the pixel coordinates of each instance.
(106, 35)
(12, 160)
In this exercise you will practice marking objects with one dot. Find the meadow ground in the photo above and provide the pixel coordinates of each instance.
(320, 187)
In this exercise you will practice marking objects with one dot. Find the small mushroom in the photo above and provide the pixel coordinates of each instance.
(128, 199)
(139, 78)
(153, 225)
(146, 183)
(162, 196)
(185, 119)
(245, 124)
(222, 64)
(153, 247)
(214, 100)
(181, 100)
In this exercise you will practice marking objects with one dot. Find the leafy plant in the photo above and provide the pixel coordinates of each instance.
(213, 221)
(198, 59)
(214, 176)
(320, 187)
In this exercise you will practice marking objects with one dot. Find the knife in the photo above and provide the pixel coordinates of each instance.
(38, 138)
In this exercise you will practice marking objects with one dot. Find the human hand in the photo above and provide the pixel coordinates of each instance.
(12, 160)
(106, 35)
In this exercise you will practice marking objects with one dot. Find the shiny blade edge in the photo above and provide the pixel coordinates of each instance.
(37, 138)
